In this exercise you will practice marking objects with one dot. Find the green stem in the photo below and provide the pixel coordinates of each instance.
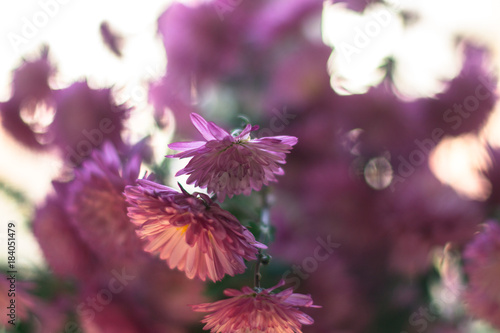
(264, 236)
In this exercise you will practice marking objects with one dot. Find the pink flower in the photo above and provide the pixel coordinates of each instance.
(96, 206)
(253, 311)
(190, 231)
(226, 164)
(482, 265)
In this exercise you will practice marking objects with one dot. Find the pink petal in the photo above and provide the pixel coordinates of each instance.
(217, 132)
(202, 126)
(182, 146)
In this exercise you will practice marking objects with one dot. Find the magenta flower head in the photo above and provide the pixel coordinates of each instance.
(190, 231)
(226, 164)
(253, 311)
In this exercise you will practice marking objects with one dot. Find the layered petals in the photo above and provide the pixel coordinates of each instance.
(231, 165)
(261, 311)
(190, 232)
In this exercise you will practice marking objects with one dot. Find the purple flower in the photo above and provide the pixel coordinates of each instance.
(231, 165)
(482, 265)
(277, 20)
(85, 118)
(30, 88)
(87, 238)
(98, 209)
(466, 104)
(190, 232)
(65, 252)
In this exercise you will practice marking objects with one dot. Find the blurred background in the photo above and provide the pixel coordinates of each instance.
(387, 212)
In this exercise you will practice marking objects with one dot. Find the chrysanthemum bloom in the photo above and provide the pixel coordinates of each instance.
(260, 312)
(190, 232)
(226, 164)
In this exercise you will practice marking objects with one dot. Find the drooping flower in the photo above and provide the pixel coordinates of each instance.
(190, 231)
(249, 310)
(226, 164)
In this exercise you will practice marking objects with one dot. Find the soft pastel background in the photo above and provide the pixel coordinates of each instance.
(402, 261)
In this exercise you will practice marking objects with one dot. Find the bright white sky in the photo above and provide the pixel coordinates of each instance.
(72, 32)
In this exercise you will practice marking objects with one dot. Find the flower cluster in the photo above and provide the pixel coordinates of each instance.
(195, 235)
(367, 207)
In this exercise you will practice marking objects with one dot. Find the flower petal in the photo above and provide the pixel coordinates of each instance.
(183, 146)
(202, 126)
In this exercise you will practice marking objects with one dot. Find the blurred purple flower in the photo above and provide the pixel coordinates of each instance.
(482, 265)
(30, 86)
(468, 100)
(66, 253)
(90, 215)
(423, 214)
(387, 123)
(202, 49)
(300, 79)
(197, 42)
(345, 303)
(249, 310)
(86, 237)
(231, 165)
(98, 210)
(75, 119)
(278, 20)
(147, 298)
(190, 231)
(85, 118)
